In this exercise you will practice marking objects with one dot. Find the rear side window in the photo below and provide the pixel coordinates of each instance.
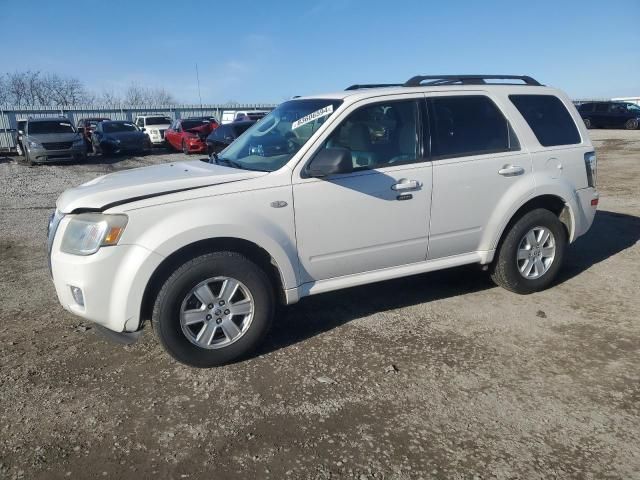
(548, 118)
(468, 125)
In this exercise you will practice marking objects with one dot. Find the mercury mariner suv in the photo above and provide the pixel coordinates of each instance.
(328, 192)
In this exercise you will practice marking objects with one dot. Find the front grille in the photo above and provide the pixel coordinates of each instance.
(57, 145)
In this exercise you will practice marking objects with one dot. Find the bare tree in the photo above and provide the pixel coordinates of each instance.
(32, 88)
(137, 95)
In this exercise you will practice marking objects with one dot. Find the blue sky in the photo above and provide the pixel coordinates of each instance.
(271, 50)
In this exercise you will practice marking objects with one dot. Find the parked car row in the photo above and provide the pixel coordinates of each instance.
(610, 115)
(41, 140)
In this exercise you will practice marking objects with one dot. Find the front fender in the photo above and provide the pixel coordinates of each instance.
(164, 229)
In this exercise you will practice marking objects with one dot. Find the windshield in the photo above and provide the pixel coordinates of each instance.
(271, 143)
(187, 124)
(118, 127)
(54, 126)
(158, 120)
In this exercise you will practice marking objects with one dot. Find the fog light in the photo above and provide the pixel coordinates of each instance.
(77, 295)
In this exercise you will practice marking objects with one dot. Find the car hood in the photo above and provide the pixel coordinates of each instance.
(128, 186)
(54, 137)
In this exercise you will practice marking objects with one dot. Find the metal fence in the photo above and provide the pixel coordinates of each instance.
(9, 116)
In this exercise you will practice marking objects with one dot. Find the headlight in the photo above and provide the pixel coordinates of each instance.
(155, 131)
(87, 232)
(34, 144)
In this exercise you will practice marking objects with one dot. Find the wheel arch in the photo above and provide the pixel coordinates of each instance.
(252, 251)
(552, 202)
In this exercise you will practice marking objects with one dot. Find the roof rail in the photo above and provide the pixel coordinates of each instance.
(466, 80)
(372, 85)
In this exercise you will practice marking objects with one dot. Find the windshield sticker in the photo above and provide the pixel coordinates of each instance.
(323, 112)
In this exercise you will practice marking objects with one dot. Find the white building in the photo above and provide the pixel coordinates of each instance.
(635, 100)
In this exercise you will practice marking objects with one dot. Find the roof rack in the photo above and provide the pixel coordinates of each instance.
(373, 85)
(466, 80)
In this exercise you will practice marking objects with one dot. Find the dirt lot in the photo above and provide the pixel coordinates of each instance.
(436, 376)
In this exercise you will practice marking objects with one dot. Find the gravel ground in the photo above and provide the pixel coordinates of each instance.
(435, 376)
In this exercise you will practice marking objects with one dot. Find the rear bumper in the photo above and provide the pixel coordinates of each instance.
(587, 203)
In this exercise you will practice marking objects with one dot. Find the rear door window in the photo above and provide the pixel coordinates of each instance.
(468, 125)
(548, 118)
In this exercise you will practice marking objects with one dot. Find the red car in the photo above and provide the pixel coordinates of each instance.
(190, 134)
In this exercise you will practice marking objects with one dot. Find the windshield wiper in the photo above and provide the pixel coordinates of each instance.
(233, 164)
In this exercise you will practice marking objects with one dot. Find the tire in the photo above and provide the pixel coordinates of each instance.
(27, 159)
(587, 123)
(185, 150)
(505, 270)
(631, 124)
(175, 296)
(19, 150)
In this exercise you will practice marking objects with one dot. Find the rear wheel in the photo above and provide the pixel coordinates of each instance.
(185, 149)
(19, 149)
(213, 309)
(531, 253)
(631, 124)
(587, 123)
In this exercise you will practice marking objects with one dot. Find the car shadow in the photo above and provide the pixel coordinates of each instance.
(610, 234)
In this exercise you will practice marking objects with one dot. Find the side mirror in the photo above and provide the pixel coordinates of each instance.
(142, 129)
(330, 161)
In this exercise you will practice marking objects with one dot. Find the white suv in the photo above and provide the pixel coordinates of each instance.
(155, 126)
(325, 193)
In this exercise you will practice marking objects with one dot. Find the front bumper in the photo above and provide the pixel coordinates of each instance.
(112, 282)
(42, 155)
(157, 138)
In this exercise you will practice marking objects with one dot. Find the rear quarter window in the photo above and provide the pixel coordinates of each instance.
(548, 118)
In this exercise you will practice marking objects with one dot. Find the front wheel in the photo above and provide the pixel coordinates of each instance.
(587, 123)
(531, 253)
(213, 309)
(185, 149)
(19, 151)
(631, 124)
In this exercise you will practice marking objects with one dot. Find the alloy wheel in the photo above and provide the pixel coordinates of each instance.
(217, 312)
(536, 251)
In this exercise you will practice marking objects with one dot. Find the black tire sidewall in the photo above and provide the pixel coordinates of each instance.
(509, 248)
(166, 314)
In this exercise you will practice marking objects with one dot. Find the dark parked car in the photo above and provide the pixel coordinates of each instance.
(610, 114)
(118, 137)
(86, 126)
(224, 135)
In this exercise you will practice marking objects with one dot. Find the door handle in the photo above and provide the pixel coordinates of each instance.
(511, 170)
(405, 184)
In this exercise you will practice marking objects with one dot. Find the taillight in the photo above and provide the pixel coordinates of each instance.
(590, 164)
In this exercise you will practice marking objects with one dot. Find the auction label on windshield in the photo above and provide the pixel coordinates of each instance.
(323, 112)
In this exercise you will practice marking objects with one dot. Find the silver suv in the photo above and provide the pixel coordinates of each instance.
(51, 140)
(328, 192)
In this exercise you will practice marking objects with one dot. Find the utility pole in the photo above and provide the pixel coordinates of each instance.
(198, 80)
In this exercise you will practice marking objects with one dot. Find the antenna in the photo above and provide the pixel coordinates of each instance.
(198, 80)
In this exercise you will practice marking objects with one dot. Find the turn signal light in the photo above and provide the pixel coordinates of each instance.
(113, 235)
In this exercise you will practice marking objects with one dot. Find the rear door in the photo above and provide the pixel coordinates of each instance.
(476, 158)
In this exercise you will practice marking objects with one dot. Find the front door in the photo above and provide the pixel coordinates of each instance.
(377, 216)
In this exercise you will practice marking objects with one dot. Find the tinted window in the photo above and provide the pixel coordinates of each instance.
(113, 127)
(56, 126)
(468, 125)
(240, 129)
(158, 120)
(548, 118)
(586, 107)
(187, 124)
(602, 107)
(379, 135)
